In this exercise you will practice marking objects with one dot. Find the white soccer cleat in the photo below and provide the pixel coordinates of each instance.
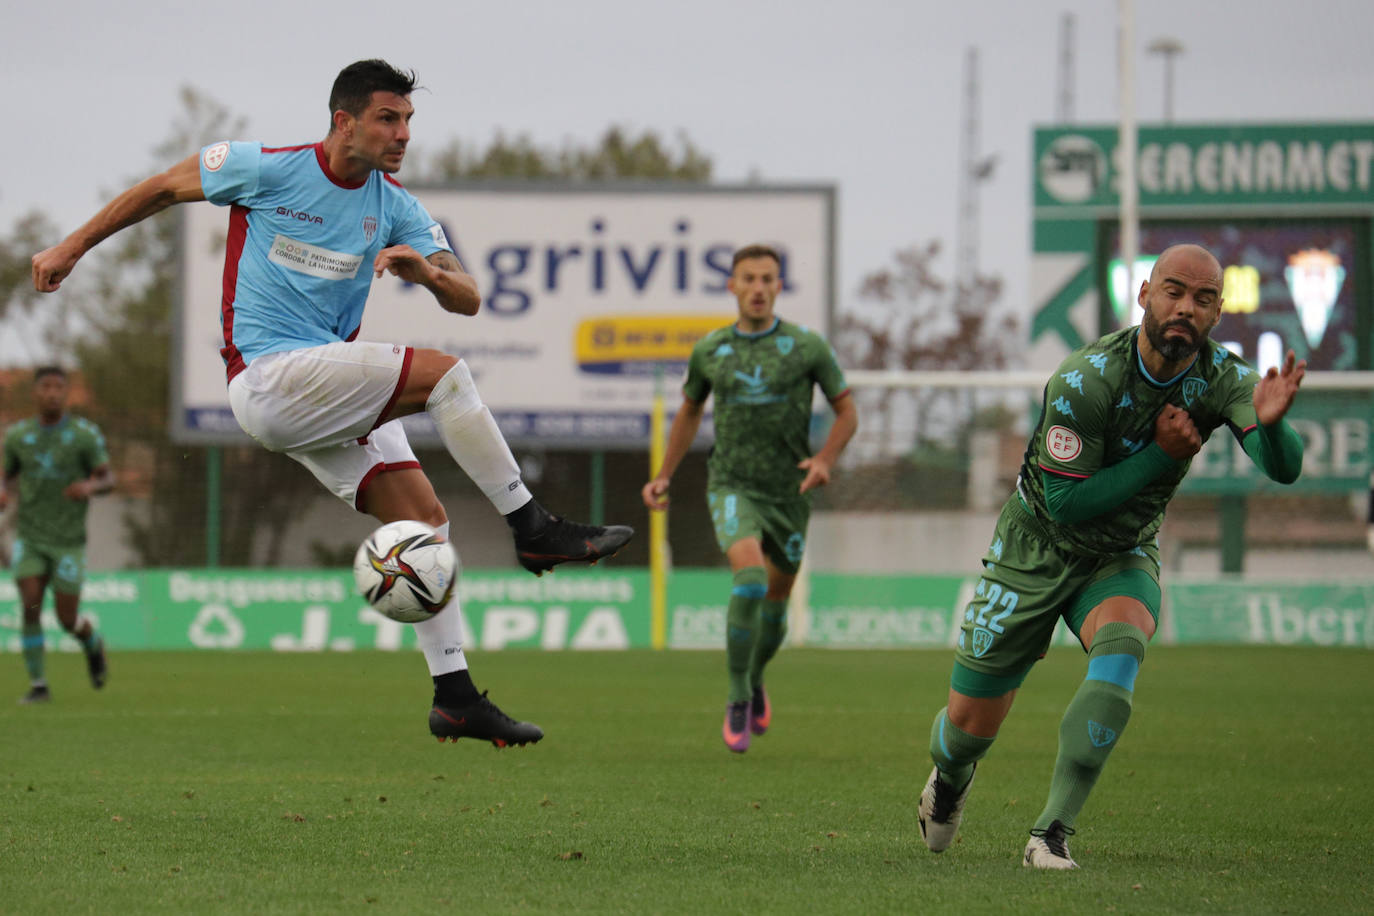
(941, 809)
(1047, 849)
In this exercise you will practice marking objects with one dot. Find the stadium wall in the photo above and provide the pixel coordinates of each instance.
(315, 610)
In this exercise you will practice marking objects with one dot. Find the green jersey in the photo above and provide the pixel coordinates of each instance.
(47, 459)
(1100, 407)
(762, 384)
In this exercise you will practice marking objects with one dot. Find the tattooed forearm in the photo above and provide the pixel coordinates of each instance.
(446, 260)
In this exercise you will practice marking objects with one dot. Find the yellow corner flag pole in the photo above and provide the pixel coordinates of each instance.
(658, 527)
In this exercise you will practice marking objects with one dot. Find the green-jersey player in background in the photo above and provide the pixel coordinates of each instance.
(1121, 420)
(54, 463)
(762, 372)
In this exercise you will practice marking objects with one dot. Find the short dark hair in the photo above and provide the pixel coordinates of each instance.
(755, 251)
(43, 372)
(354, 85)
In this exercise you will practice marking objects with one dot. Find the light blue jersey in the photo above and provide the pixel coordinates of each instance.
(298, 260)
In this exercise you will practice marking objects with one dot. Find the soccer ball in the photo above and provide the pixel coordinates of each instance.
(406, 571)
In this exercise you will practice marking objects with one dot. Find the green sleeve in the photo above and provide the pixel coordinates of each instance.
(1071, 499)
(11, 457)
(697, 385)
(1276, 450)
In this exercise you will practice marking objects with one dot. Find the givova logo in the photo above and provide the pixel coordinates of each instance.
(1073, 169)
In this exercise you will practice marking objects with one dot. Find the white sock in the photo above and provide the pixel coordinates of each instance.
(441, 636)
(474, 440)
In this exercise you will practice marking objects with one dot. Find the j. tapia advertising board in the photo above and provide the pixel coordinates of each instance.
(588, 292)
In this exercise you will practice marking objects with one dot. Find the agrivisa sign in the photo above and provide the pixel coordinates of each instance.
(589, 293)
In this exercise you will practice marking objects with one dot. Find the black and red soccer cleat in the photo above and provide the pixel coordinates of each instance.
(483, 720)
(562, 541)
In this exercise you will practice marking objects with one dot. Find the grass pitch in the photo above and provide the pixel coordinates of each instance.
(273, 783)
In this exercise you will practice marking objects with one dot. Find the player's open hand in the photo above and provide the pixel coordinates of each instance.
(402, 261)
(1176, 433)
(817, 473)
(1275, 390)
(655, 494)
(51, 266)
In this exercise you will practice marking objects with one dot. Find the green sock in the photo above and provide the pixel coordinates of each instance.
(31, 639)
(741, 624)
(1095, 719)
(954, 750)
(772, 628)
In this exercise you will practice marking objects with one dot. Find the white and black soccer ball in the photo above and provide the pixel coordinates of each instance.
(406, 571)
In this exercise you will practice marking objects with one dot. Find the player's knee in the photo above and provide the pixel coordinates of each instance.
(1117, 652)
(750, 582)
(455, 390)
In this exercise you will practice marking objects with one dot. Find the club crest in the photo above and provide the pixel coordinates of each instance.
(982, 642)
(1193, 388)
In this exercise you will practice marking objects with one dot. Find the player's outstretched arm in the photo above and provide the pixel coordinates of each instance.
(441, 273)
(680, 436)
(1274, 392)
(818, 466)
(179, 184)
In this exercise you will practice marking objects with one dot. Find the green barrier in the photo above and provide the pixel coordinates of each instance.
(318, 610)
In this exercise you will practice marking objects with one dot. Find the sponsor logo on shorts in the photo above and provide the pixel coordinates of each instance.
(215, 155)
(1063, 443)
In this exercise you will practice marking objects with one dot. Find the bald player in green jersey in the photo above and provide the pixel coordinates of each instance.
(1121, 421)
(762, 372)
(55, 463)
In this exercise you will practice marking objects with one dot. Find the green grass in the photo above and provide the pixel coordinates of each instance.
(230, 783)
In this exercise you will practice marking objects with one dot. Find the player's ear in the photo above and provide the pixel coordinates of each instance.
(343, 122)
(1144, 293)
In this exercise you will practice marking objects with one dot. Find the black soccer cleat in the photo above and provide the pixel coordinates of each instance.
(562, 541)
(96, 667)
(38, 693)
(483, 720)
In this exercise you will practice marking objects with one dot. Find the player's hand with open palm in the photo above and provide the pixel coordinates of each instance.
(1275, 390)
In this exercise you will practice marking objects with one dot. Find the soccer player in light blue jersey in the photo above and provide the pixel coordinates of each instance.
(310, 227)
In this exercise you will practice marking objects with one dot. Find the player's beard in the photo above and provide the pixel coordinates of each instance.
(1173, 349)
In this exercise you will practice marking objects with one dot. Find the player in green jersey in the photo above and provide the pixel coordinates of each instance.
(1121, 421)
(54, 463)
(761, 371)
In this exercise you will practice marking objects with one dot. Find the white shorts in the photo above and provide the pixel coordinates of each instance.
(320, 405)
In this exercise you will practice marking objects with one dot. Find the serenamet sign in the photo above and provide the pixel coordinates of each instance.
(1208, 165)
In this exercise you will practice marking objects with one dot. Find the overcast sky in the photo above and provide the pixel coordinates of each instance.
(863, 93)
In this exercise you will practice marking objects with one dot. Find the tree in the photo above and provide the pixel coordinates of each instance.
(616, 155)
(908, 317)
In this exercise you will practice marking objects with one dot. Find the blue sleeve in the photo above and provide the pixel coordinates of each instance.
(415, 227)
(230, 172)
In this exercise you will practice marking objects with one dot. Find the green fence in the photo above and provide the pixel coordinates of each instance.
(317, 610)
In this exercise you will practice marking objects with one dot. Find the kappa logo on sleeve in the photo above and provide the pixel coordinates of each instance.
(1063, 443)
(215, 155)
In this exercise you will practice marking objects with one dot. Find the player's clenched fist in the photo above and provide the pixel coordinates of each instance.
(655, 494)
(1176, 434)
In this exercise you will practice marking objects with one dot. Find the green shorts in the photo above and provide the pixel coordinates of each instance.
(1029, 583)
(779, 525)
(64, 567)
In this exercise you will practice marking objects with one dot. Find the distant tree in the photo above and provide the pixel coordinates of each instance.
(909, 317)
(17, 295)
(616, 155)
(120, 337)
